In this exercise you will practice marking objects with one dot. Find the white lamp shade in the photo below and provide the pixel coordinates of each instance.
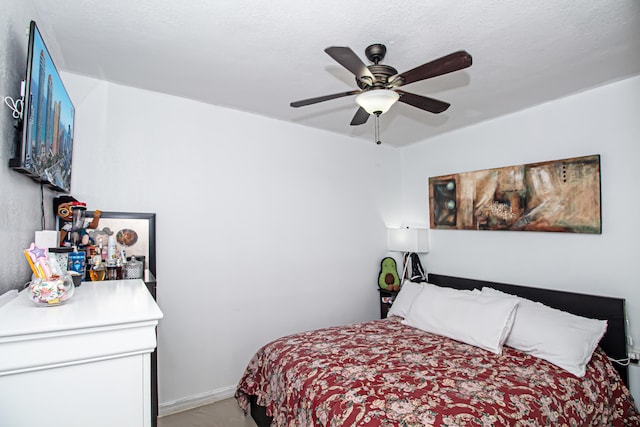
(408, 240)
(377, 100)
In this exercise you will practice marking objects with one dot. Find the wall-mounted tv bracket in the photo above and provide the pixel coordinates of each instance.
(15, 105)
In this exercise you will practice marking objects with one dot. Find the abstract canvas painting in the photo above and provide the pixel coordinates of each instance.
(560, 196)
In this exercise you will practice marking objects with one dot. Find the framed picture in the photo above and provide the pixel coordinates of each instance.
(558, 196)
(136, 232)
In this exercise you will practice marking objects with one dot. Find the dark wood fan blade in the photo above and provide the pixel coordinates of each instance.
(360, 117)
(429, 104)
(349, 60)
(447, 64)
(310, 101)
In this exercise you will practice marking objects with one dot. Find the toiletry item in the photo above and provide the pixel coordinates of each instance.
(77, 262)
(97, 272)
(112, 272)
(111, 249)
(102, 250)
(119, 269)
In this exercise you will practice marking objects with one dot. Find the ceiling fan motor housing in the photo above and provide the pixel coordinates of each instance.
(381, 74)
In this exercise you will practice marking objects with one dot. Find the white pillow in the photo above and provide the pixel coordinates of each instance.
(404, 299)
(561, 338)
(463, 315)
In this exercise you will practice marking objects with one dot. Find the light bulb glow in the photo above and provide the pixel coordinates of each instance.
(377, 100)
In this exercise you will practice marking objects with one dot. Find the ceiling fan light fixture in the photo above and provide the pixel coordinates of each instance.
(377, 101)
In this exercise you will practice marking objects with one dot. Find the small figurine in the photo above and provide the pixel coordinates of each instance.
(100, 238)
(63, 208)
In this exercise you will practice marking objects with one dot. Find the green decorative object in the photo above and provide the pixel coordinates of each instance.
(388, 278)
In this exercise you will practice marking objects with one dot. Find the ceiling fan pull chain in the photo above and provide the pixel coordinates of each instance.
(378, 128)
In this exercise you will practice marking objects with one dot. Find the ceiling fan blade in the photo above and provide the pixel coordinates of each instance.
(360, 117)
(310, 101)
(428, 104)
(447, 64)
(349, 60)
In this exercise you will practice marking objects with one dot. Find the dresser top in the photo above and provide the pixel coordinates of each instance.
(93, 305)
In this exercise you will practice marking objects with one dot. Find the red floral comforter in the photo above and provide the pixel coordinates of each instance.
(383, 373)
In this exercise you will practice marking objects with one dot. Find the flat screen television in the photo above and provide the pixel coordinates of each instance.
(44, 145)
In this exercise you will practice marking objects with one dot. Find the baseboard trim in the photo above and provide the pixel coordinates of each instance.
(196, 400)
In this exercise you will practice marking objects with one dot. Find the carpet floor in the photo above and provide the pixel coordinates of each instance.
(225, 413)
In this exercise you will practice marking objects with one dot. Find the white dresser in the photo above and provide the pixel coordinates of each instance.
(84, 363)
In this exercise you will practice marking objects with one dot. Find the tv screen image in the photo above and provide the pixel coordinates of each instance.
(45, 149)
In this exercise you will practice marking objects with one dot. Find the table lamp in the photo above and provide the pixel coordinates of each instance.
(407, 240)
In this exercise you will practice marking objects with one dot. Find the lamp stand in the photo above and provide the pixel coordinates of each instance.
(404, 266)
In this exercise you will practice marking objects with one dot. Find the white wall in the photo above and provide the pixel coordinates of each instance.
(263, 227)
(602, 121)
(19, 195)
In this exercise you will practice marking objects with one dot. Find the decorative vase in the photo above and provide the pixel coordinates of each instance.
(47, 293)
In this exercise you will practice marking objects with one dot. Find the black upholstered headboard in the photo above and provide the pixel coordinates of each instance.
(614, 341)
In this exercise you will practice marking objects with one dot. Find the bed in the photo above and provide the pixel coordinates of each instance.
(388, 373)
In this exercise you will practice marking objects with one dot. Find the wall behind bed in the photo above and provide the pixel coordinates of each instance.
(601, 121)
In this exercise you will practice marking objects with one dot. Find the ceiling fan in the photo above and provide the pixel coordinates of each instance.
(378, 83)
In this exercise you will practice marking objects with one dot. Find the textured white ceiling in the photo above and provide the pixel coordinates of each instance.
(258, 56)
